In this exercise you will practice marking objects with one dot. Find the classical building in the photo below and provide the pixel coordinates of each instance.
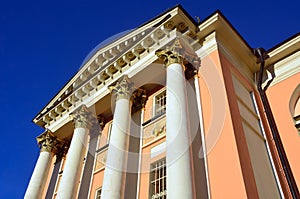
(174, 109)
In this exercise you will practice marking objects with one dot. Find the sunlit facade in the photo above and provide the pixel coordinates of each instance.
(174, 109)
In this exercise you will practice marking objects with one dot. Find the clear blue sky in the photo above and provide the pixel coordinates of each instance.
(43, 43)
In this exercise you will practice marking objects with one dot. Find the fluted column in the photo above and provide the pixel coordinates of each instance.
(179, 178)
(113, 174)
(82, 119)
(47, 142)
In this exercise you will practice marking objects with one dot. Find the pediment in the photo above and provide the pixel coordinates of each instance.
(115, 58)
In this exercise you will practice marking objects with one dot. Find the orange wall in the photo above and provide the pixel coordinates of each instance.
(279, 96)
(96, 183)
(224, 164)
(145, 167)
(98, 175)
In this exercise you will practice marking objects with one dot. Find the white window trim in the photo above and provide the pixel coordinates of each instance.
(100, 188)
(109, 132)
(154, 100)
(152, 168)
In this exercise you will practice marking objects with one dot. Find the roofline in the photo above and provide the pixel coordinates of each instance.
(149, 21)
(168, 10)
(219, 12)
(283, 42)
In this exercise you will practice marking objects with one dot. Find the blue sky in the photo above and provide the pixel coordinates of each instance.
(43, 43)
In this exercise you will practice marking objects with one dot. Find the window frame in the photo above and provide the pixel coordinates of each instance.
(109, 132)
(161, 193)
(96, 193)
(154, 104)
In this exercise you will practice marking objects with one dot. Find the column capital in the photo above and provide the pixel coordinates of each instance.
(140, 98)
(82, 117)
(177, 53)
(62, 147)
(47, 142)
(192, 69)
(97, 126)
(101, 121)
(122, 89)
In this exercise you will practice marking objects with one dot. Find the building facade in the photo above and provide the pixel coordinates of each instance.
(174, 109)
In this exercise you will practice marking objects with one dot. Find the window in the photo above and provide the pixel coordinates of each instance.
(297, 122)
(294, 106)
(296, 115)
(160, 103)
(109, 133)
(98, 193)
(158, 185)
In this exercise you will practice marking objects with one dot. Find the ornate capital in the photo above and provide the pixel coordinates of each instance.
(123, 88)
(173, 54)
(101, 121)
(47, 142)
(97, 127)
(177, 53)
(192, 68)
(139, 99)
(62, 147)
(82, 117)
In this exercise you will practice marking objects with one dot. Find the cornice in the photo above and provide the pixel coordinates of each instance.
(283, 69)
(283, 61)
(284, 50)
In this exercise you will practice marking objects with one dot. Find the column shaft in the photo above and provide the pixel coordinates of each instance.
(113, 175)
(179, 179)
(39, 176)
(47, 142)
(115, 163)
(72, 169)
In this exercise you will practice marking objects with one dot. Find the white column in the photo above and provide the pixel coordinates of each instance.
(179, 178)
(198, 97)
(113, 175)
(68, 187)
(41, 171)
(140, 153)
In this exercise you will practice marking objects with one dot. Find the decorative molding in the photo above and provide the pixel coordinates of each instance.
(103, 159)
(159, 130)
(97, 127)
(101, 121)
(284, 69)
(178, 53)
(123, 89)
(83, 118)
(110, 63)
(139, 99)
(209, 44)
(62, 147)
(47, 142)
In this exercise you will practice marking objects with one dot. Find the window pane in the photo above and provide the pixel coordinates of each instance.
(160, 103)
(98, 193)
(158, 180)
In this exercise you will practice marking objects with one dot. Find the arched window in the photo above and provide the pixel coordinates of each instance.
(295, 107)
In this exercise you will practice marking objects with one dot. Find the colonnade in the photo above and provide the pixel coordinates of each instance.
(179, 174)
